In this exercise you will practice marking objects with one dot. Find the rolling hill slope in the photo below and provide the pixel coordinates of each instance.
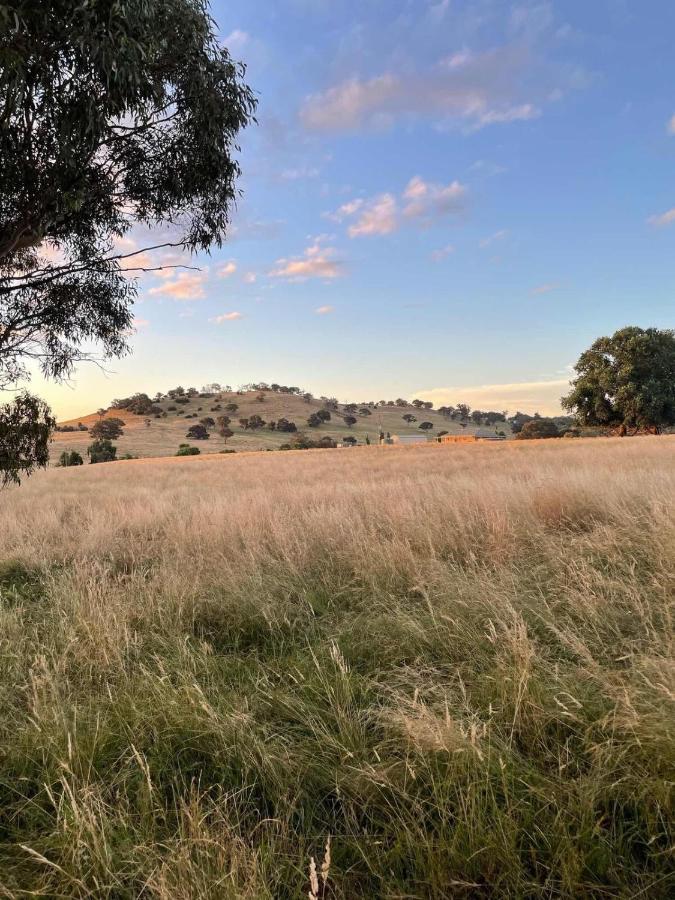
(151, 437)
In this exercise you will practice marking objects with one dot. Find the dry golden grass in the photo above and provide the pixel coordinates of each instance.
(454, 662)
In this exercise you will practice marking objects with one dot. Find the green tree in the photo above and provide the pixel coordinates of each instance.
(70, 458)
(26, 426)
(538, 428)
(626, 381)
(107, 429)
(426, 426)
(349, 421)
(197, 433)
(102, 451)
(112, 114)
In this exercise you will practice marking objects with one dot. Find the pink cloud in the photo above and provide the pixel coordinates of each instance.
(227, 317)
(229, 268)
(317, 262)
(184, 286)
(324, 310)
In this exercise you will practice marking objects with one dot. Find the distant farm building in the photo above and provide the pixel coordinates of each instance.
(469, 438)
(408, 439)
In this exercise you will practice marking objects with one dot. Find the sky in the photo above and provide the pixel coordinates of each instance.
(446, 199)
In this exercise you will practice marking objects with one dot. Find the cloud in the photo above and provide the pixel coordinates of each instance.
(474, 89)
(236, 40)
(250, 278)
(318, 262)
(666, 218)
(184, 286)
(324, 310)
(427, 201)
(139, 323)
(420, 203)
(526, 396)
(377, 216)
(300, 173)
(442, 253)
(670, 127)
(226, 317)
(497, 236)
(226, 270)
(545, 288)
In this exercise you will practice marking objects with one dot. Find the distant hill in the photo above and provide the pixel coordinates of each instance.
(160, 433)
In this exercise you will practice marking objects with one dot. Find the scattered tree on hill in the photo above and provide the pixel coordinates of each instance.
(418, 404)
(255, 422)
(208, 422)
(232, 407)
(425, 426)
(350, 408)
(307, 397)
(107, 429)
(223, 421)
(244, 423)
(225, 433)
(349, 439)
(26, 426)
(330, 403)
(70, 458)
(187, 450)
(102, 451)
(408, 417)
(538, 428)
(286, 426)
(260, 398)
(364, 411)
(197, 433)
(349, 420)
(400, 402)
(626, 381)
(324, 415)
(101, 412)
(462, 412)
(314, 420)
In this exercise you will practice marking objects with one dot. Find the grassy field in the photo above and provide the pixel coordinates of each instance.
(456, 663)
(163, 436)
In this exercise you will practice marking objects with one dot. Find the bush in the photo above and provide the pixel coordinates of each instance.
(537, 429)
(187, 450)
(101, 451)
(70, 458)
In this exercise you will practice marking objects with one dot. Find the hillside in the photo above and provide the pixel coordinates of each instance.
(152, 437)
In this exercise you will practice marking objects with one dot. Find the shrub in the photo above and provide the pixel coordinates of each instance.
(70, 458)
(197, 433)
(537, 429)
(187, 450)
(102, 451)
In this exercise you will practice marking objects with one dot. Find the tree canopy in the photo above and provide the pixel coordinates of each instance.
(113, 115)
(26, 425)
(626, 381)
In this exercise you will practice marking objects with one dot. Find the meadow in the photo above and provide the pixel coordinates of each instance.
(454, 665)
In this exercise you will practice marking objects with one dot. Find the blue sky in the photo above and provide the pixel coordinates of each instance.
(441, 199)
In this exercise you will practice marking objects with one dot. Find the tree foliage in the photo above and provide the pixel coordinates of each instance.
(26, 426)
(102, 451)
(113, 114)
(107, 429)
(626, 381)
(538, 428)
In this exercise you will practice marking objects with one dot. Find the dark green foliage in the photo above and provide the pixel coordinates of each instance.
(626, 381)
(105, 107)
(426, 426)
(26, 426)
(324, 414)
(314, 421)
(187, 450)
(538, 428)
(197, 433)
(140, 404)
(286, 426)
(408, 417)
(255, 422)
(208, 422)
(70, 458)
(107, 429)
(349, 420)
(102, 451)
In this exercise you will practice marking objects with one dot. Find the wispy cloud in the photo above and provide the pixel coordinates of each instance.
(250, 278)
(317, 262)
(420, 203)
(670, 127)
(184, 286)
(497, 236)
(226, 317)
(226, 270)
(324, 310)
(545, 288)
(475, 89)
(526, 396)
(442, 253)
(666, 218)
(139, 323)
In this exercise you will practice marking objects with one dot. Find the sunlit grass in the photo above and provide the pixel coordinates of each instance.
(454, 662)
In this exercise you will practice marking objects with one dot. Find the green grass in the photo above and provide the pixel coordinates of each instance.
(456, 664)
